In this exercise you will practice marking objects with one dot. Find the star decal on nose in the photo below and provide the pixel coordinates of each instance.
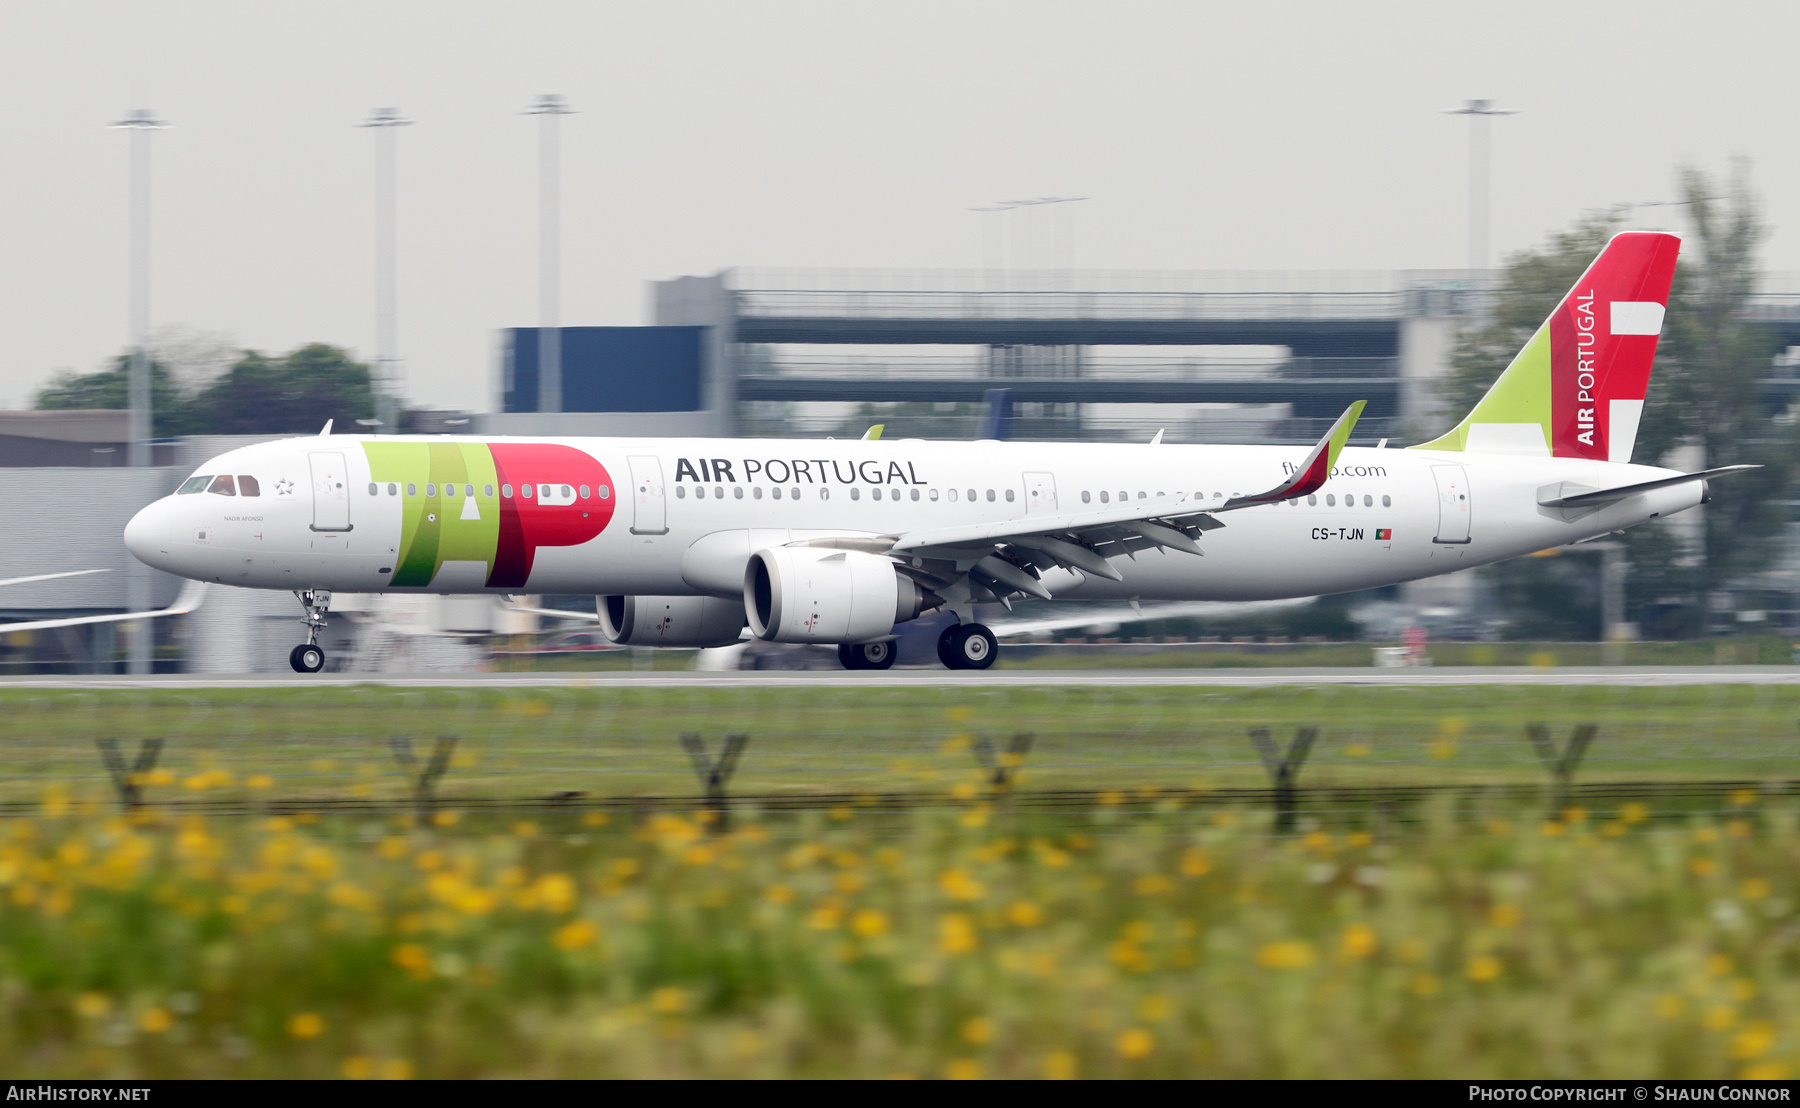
(284, 487)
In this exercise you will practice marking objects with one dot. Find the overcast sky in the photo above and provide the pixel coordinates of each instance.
(830, 134)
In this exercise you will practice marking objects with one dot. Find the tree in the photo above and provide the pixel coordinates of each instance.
(110, 389)
(293, 394)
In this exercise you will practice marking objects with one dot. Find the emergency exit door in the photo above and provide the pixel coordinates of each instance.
(331, 491)
(649, 509)
(1453, 504)
(1040, 492)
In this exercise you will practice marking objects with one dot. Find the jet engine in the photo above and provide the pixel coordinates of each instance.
(671, 620)
(809, 594)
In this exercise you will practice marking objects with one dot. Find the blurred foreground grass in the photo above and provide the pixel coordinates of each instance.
(959, 942)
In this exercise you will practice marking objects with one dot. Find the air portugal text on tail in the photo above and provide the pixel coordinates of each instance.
(887, 547)
(1577, 389)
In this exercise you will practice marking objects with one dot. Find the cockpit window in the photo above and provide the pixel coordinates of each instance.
(223, 485)
(194, 484)
(247, 485)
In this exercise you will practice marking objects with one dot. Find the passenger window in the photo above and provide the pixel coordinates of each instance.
(1009, 496)
(223, 485)
(718, 491)
(855, 493)
(543, 491)
(247, 486)
(915, 494)
(776, 493)
(1331, 500)
(468, 490)
(393, 489)
(374, 489)
(756, 493)
(584, 492)
(525, 491)
(933, 495)
(952, 496)
(449, 490)
(1368, 501)
(194, 484)
(1312, 501)
(1105, 497)
(412, 489)
(971, 494)
(699, 492)
(505, 491)
(569, 493)
(1086, 496)
(795, 492)
(824, 494)
(990, 493)
(680, 491)
(1124, 496)
(604, 492)
(1141, 494)
(430, 488)
(737, 492)
(1387, 501)
(487, 490)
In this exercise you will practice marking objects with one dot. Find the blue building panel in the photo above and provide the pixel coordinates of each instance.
(610, 369)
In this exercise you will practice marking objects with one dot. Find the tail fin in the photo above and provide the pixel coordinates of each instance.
(1577, 389)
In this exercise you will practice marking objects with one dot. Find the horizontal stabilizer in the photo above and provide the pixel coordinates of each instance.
(1565, 494)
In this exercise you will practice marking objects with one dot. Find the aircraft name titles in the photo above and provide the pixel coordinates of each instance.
(781, 471)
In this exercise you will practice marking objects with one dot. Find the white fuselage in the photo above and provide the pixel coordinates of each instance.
(1384, 516)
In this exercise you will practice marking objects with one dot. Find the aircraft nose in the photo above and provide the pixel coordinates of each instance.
(146, 536)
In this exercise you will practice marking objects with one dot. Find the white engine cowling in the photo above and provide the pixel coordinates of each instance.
(671, 620)
(809, 594)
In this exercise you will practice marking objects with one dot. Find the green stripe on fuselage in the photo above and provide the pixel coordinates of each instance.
(433, 529)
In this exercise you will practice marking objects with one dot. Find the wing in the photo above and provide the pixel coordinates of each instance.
(192, 594)
(1009, 557)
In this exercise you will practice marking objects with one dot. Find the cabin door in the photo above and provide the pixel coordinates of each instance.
(649, 510)
(331, 491)
(1453, 504)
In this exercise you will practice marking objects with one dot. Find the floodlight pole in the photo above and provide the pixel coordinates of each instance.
(139, 423)
(387, 358)
(1479, 112)
(550, 108)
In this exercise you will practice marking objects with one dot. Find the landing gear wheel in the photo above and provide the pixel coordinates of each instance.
(306, 658)
(867, 655)
(967, 646)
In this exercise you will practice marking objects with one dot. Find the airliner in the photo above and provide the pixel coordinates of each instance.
(695, 542)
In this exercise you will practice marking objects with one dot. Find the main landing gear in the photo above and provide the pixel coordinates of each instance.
(307, 657)
(967, 646)
(867, 655)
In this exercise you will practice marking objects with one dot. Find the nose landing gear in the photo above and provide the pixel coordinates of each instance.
(307, 657)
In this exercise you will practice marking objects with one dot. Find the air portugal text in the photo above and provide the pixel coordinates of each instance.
(795, 471)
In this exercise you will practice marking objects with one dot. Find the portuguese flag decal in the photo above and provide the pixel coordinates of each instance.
(1384, 533)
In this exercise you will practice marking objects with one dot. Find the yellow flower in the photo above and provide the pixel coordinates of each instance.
(156, 1020)
(1292, 954)
(1765, 1071)
(359, 1067)
(1503, 915)
(93, 1005)
(260, 781)
(958, 885)
(1134, 1043)
(778, 894)
(1195, 863)
(575, 934)
(1753, 1041)
(556, 892)
(1702, 867)
(1718, 965)
(1023, 913)
(1059, 1065)
(306, 1025)
(668, 1001)
(869, 923)
(963, 1069)
(397, 1069)
(978, 1031)
(825, 917)
(1483, 968)
(1634, 813)
(1720, 1017)
(956, 934)
(1755, 888)
(413, 958)
(1359, 940)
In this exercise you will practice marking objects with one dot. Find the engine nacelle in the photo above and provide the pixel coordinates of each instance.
(809, 594)
(671, 620)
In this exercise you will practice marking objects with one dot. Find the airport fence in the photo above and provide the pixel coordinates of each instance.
(1300, 751)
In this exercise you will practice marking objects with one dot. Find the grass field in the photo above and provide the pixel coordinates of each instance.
(609, 926)
(956, 943)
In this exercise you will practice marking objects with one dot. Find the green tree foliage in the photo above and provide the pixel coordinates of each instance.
(295, 393)
(1705, 392)
(110, 389)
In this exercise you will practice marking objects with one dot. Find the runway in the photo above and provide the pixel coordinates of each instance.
(1427, 677)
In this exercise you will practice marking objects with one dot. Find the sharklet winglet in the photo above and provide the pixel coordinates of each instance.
(1311, 475)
